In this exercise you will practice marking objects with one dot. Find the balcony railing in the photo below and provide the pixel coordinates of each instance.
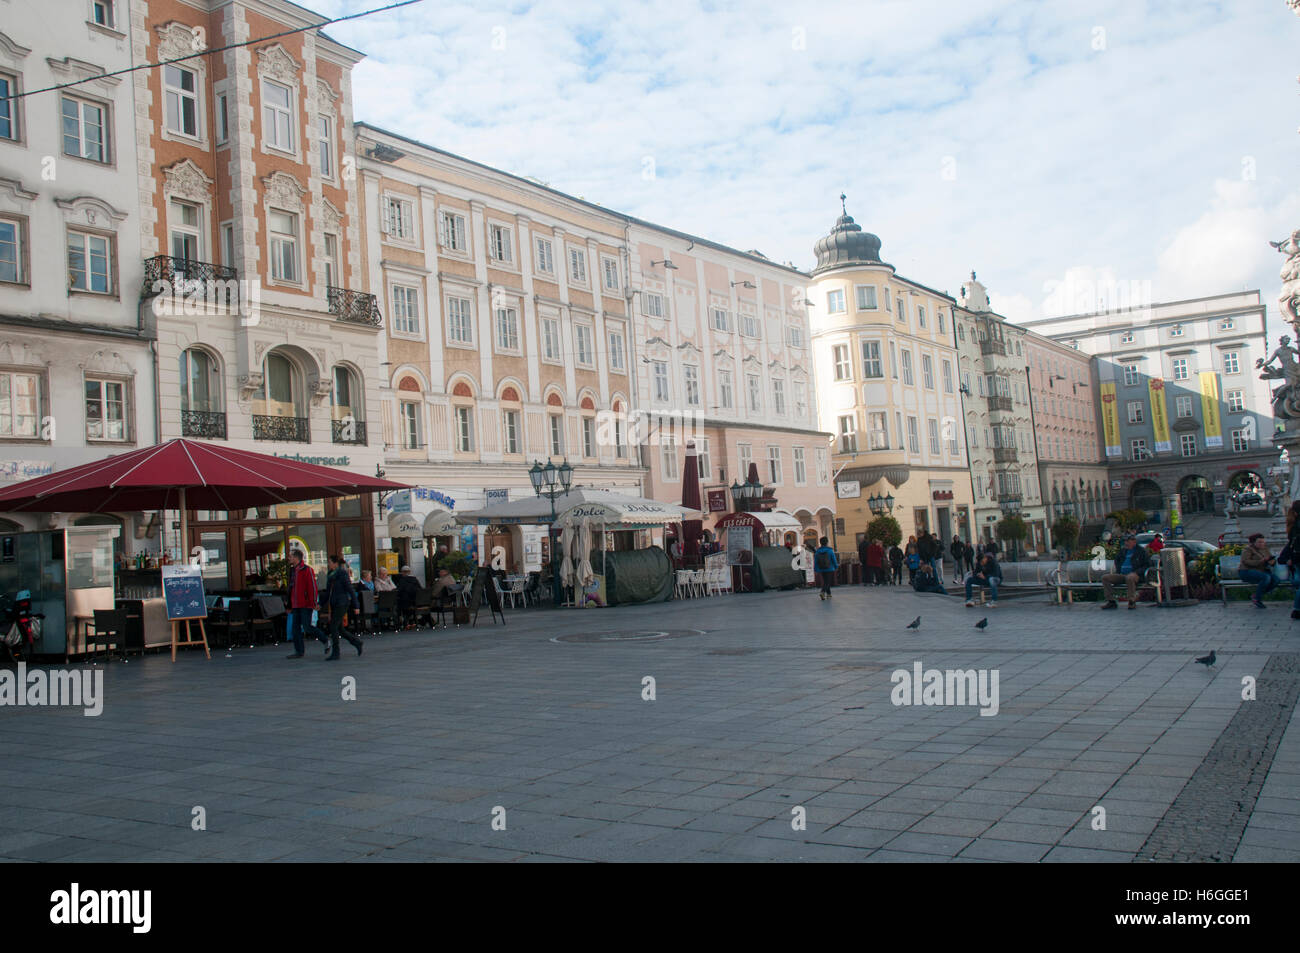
(990, 346)
(215, 285)
(355, 307)
(290, 429)
(1004, 454)
(997, 402)
(202, 423)
(349, 431)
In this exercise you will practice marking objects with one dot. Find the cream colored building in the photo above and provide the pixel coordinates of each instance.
(886, 366)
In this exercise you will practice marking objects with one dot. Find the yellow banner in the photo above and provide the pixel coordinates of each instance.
(1110, 419)
(1210, 409)
(1159, 414)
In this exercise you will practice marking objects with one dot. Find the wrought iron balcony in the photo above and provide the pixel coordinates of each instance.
(1004, 455)
(187, 278)
(997, 402)
(990, 346)
(355, 307)
(290, 429)
(202, 423)
(349, 431)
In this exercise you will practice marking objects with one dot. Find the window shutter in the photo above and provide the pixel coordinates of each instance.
(387, 225)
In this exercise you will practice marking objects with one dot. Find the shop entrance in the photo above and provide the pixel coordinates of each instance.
(500, 544)
(945, 524)
(1197, 497)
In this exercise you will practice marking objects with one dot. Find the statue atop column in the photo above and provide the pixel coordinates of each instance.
(1289, 300)
(1286, 399)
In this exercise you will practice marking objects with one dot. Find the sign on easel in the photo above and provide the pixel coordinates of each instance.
(183, 592)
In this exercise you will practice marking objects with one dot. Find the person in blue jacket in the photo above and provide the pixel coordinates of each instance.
(825, 564)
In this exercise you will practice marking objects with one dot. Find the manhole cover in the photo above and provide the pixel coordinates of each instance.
(642, 635)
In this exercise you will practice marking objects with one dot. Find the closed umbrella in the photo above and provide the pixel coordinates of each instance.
(693, 529)
(566, 560)
(585, 576)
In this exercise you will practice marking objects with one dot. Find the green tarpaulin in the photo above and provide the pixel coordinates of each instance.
(773, 569)
(636, 575)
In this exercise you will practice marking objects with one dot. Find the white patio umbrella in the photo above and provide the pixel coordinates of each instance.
(566, 560)
(585, 575)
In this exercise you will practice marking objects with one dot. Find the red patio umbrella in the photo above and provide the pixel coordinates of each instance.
(692, 530)
(183, 474)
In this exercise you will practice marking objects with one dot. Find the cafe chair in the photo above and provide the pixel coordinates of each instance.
(268, 621)
(108, 630)
(369, 610)
(422, 611)
(386, 611)
(229, 622)
(533, 589)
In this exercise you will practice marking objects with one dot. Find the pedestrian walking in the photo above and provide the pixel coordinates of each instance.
(863, 547)
(340, 597)
(303, 594)
(896, 565)
(825, 562)
(876, 562)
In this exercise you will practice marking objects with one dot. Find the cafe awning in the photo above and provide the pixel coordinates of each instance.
(778, 519)
(624, 512)
(403, 526)
(538, 508)
(440, 523)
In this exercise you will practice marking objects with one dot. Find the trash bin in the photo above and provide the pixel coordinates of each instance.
(1173, 567)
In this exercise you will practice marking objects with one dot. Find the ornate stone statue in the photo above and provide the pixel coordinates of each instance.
(1289, 300)
(1286, 399)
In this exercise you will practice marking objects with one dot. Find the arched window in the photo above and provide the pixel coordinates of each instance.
(346, 411)
(464, 436)
(279, 406)
(200, 385)
(588, 428)
(512, 431)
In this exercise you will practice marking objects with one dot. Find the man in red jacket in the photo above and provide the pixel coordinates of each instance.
(302, 602)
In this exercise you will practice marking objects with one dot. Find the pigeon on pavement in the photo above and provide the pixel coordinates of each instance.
(1207, 660)
(915, 623)
(982, 624)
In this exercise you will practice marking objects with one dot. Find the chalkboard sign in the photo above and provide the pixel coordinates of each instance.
(483, 590)
(183, 589)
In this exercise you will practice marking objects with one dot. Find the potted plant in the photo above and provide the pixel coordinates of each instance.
(458, 564)
(1065, 532)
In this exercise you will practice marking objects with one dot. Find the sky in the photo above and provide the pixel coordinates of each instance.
(1074, 153)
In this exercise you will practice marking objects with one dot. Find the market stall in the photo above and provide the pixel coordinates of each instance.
(617, 577)
(753, 542)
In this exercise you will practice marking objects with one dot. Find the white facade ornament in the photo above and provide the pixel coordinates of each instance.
(325, 93)
(250, 384)
(187, 180)
(175, 40)
(85, 208)
(275, 63)
(321, 388)
(331, 216)
(15, 189)
(12, 49)
(284, 191)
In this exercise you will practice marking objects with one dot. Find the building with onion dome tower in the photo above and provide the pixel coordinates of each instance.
(885, 354)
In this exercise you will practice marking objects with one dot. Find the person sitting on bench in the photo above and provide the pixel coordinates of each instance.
(987, 575)
(1131, 564)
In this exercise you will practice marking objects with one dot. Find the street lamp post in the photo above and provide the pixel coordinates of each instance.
(1011, 507)
(552, 482)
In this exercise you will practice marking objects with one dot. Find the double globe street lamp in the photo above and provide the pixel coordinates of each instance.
(881, 505)
(552, 482)
(745, 495)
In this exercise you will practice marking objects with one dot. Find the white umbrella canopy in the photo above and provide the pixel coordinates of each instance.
(585, 575)
(566, 560)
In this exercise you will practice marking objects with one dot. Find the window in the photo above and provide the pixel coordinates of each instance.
(972, 434)
(1184, 405)
(800, 399)
(898, 308)
(1230, 365)
(823, 467)
(510, 421)
(745, 454)
(1227, 324)
(907, 366)
(1235, 398)
(451, 231)
(835, 301)
(691, 375)
(19, 404)
(719, 319)
(652, 304)
(774, 465)
(277, 116)
(1131, 374)
(410, 414)
(961, 333)
(101, 12)
(1126, 337)
(8, 106)
(704, 461)
(186, 230)
(507, 329)
(406, 309)
(866, 297)
(913, 442)
(927, 372)
(609, 267)
(223, 120)
(1138, 448)
(588, 436)
(500, 244)
(13, 253)
(180, 93)
(952, 442)
(1176, 331)
(660, 369)
(399, 218)
(105, 410)
(90, 263)
(283, 227)
(545, 256)
(840, 355)
(933, 426)
(943, 329)
(800, 467)
(617, 360)
(795, 337)
(228, 243)
(668, 457)
(460, 325)
(749, 325)
(1135, 409)
(557, 435)
(620, 448)
(199, 384)
(1188, 443)
(848, 434)
(85, 130)
(325, 145)
(893, 361)
(586, 355)
(1180, 369)
(578, 266)
(920, 315)
(551, 339)
(755, 393)
(871, 366)
(724, 389)
(947, 377)
(332, 279)
(1240, 441)
(778, 396)
(878, 430)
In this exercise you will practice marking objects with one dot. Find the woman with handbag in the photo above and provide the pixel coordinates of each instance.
(339, 596)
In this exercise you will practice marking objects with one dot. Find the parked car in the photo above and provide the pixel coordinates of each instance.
(1194, 547)
(1250, 498)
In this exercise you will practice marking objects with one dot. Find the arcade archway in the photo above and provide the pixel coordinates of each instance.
(1145, 495)
(1196, 494)
(1246, 480)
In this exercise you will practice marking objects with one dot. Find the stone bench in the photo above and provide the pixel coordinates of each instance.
(1081, 574)
(1226, 575)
